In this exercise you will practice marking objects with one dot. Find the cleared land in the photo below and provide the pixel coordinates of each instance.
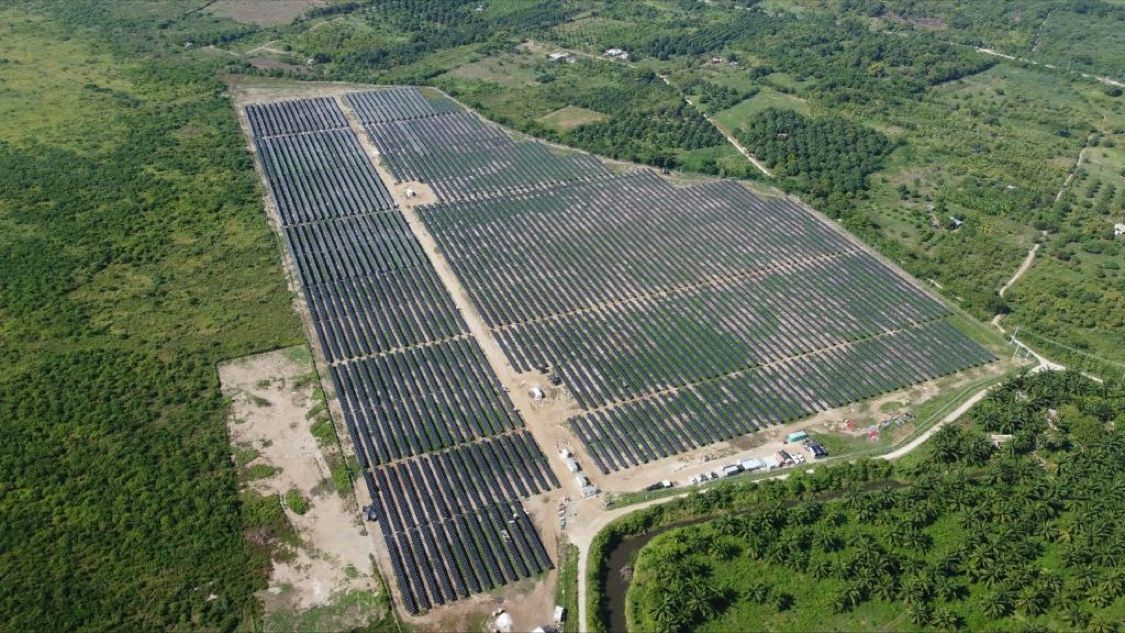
(263, 12)
(567, 118)
(326, 572)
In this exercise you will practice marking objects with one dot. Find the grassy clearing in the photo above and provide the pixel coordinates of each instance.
(734, 117)
(569, 117)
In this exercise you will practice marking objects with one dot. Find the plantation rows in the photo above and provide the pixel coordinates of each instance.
(409, 378)
(533, 255)
(638, 432)
(423, 399)
(462, 157)
(625, 350)
(474, 552)
(321, 176)
(397, 104)
(358, 246)
(392, 310)
(431, 488)
(294, 117)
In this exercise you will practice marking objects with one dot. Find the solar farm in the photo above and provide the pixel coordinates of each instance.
(673, 317)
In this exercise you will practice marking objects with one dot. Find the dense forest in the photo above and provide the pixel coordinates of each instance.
(134, 258)
(970, 536)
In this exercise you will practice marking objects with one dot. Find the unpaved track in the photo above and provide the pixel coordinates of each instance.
(715, 124)
(1027, 262)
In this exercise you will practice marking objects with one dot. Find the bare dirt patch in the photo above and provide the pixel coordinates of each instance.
(263, 12)
(272, 396)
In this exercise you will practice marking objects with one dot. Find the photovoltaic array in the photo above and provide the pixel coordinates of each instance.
(456, 153)
(676, 316)
(443, 450)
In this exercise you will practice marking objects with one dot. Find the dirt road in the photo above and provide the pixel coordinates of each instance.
(1027, 262)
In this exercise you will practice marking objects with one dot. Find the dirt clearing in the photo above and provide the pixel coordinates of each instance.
(263, 12)
(329, 572)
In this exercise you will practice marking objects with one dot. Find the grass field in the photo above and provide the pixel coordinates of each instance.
(734, 117)
(570, 117)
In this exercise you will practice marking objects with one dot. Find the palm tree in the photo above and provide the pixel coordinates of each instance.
(759, 592)
(946, 619)
(1101, 595)
(666, 610)
(886, 589)
(919, 614)
(1077, 617)
(1031, 603)
(997, 605)
(947, 589)
(820, 568)
(1101, 624)
(727, 525)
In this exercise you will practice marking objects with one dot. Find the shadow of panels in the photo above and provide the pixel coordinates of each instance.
(439, 486)
(358, 246)
(361, 316)
(453, 519)
(422, 399)
(397, 104)
(294, 117)
(645, 430)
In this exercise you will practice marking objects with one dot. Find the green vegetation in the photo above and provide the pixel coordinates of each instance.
(135, 258)
(260, 471)
(827, 158)
(1085, 35)
(637, 116)
(967, 536)
(296, 501)
(566, 592)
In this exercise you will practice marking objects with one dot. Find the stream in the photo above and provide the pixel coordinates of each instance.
(616, 584)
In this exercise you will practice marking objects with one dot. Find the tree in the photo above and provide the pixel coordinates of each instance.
(920, 614)
(997, 605)
(945, 619)
(759, 592)
(1102, 624)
